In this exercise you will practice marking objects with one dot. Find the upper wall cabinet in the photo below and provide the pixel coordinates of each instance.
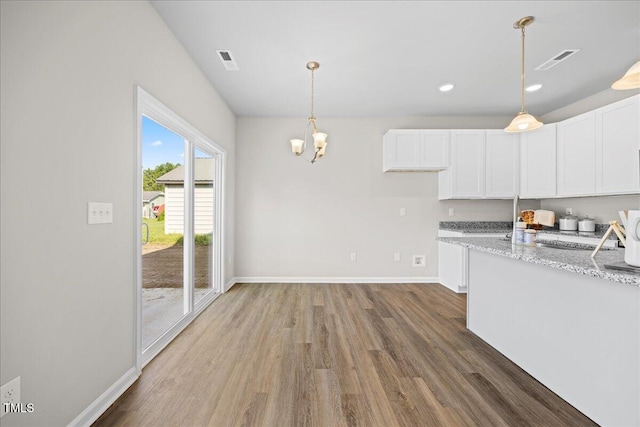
(538, 163)
(415, 150)
(502, 153)
(484, 165)
(577, 156)
(618, 147)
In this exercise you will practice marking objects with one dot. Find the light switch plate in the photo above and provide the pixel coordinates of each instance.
(99, 213)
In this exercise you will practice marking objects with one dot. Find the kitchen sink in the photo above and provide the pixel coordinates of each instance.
(555, 244)
(565, 247)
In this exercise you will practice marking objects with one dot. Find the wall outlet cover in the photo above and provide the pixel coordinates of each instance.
(419, 260)
(9, 393)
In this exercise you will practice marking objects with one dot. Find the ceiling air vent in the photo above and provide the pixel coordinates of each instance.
(227, 60)
(562, 56)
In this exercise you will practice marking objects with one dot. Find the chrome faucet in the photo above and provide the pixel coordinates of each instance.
(516, 200)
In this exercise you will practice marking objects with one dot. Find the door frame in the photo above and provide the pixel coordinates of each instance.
(149, 106)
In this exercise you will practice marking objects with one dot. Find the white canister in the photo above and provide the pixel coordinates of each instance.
(587, 224)
(568, 223)
(632, 249)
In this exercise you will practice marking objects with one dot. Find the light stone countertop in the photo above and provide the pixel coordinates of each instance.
(494, 227)
(576, 261)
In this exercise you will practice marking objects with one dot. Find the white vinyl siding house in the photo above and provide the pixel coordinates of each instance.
(203, 198)
(151, 199)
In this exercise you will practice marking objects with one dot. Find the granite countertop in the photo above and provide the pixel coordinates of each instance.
(477, 227)
(576, 261)
(482, 227)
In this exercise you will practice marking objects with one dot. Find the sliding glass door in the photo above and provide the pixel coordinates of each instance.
(179, 259)
(163, 218)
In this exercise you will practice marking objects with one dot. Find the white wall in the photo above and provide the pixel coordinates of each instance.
(603, 209)
(68, 71)
(294, 219)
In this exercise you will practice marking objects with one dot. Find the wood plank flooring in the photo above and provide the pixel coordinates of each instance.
(336, 355)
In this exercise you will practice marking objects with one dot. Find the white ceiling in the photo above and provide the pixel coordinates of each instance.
(389, 57)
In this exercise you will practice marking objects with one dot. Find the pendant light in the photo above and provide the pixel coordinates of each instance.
(523, 121)
(630, 80)
(319, 138)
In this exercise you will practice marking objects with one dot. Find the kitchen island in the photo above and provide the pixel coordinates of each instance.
(562, 317)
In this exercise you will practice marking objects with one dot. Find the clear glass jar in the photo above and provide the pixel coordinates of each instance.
(530, 237)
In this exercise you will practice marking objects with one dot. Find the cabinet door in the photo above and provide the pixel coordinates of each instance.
(618, 147)
(401, 150)
(434, 149)
(467, 163)
(452, 266)
(502, 160)
(577, 155)
(538, 163)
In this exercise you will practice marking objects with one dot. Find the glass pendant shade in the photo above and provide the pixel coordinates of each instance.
(630, 80)
(296, 146)
(319, 140)
(321, 151)
(523, 122)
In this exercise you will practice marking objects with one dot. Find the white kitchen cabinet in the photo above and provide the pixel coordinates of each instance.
(452, 266)
(415, 150)
(501, 164)
(484, 165)
(453, 259)
(464, 179)
(538, 163)
(577, 156)
(617, 167)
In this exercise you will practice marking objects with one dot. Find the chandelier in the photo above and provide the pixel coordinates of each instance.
(523, 121)
(319, 138)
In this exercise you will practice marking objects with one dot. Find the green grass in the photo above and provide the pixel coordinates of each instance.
(157, 236)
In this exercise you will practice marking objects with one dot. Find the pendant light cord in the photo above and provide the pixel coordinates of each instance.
(521, 76)
(312, 119)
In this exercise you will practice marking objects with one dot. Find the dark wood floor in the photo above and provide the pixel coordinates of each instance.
(336, 355)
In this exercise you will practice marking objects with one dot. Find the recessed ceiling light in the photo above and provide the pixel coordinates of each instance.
(534, 87)
(446, 87)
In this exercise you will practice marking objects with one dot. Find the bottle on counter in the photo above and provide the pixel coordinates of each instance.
(519, 231)
(530, 237)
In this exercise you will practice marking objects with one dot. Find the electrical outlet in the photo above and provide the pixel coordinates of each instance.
(9, 394)
(396, 256)
(419, 260)
(403, 211)
(99, 213)
(452, 211)
(568, 211)
(354, 256)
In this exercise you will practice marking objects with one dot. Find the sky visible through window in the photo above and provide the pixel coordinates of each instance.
(160, 145)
